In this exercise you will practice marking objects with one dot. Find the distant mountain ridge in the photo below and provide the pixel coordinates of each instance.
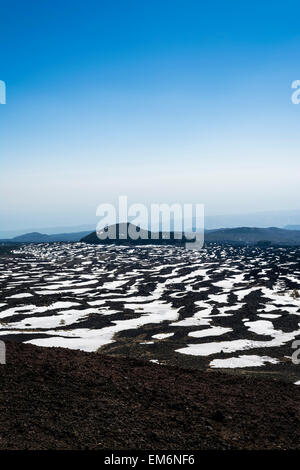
(254, 235)
(145, 237)
(263, 219)
(8, 234)
(235, 236)
(292, 227)
(36, 237)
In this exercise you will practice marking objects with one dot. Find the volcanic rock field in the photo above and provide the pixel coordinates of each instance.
(224, 307)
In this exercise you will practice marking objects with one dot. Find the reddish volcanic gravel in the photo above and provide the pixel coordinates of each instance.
(54, 398)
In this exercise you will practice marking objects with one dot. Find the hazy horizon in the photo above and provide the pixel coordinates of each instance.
(261, 219)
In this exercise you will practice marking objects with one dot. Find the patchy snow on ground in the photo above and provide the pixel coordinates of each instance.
(206, 303)
(162, 335)
(242, 361)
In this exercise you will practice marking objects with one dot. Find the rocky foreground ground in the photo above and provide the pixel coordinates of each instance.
(54, 398)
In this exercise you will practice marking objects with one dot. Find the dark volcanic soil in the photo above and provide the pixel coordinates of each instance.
(52, 398)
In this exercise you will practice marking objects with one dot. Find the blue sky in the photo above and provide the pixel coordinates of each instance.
(164, 101)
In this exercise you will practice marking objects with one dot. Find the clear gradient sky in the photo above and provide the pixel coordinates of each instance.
(163, 101)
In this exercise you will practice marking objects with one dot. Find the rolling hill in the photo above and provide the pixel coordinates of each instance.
(146, 237)
(235, 236)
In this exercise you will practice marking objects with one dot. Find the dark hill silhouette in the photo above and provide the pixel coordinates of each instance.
(146, 237)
